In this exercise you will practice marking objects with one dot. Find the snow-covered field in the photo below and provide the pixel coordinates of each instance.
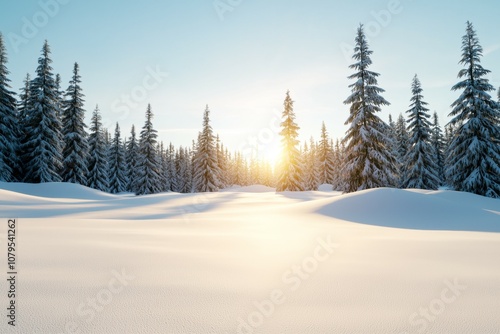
(248, 260)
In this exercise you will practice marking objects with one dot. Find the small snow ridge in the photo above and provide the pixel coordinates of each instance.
(437, 210)
(56, 190)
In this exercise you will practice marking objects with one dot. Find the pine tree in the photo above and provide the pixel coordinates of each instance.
(326, 158)
(148, 164)
(312, 166)
(474, 164)
(290, 167)
(174, 179)
(23, 105)
(131, 161)
(401, 148)
(59, 97)
(9, 130)
(370, 163)
(182, 170)
(76, 150)
(422, 171)
(206, 167)
(42, 147)
(437, 141)
(98, 160)
(164, 185)
(117, 172)
(221, 161)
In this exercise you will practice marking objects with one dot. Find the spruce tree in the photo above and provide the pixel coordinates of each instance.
(401, 148)
(59, 97)
(290, 166)
(131, 161)
(43, 145)
(222, 163)
(369, 160)
(326, 158)
(164, 185)
(206, 168)
(173, 177)
(76, 150)
(148, 181)
(117, 171)
(9, 126)
(23, 105)
(474, 152)
(421, 169)
(437, 141)
(97, 177)
(311, 166)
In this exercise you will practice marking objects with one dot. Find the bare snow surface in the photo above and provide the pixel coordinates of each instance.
(248, 260)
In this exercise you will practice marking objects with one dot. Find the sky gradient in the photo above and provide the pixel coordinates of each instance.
(241, 56)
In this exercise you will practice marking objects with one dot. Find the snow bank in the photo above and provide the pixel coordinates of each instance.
(56, 190)
(443, 210)
(245, 262)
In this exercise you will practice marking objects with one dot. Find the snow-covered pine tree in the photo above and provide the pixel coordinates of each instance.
(9, 126)
(206, 167)
(76, 150)
(437, 141)
(117, 171)
(43, 146)
(148, 165)
(131, 161)
(421, 169)
(474, 152)
(182, 170)
(97, 177)
(401, 148)
(339, 182)
(369, 160)
(163, 162)
(325, 157)
(174, 179)
(311, 166)
(59, 97)
(23, 106)
(290, 166)
(391, 133)
(221, 161)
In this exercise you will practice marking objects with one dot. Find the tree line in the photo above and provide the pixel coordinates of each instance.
(43, 138)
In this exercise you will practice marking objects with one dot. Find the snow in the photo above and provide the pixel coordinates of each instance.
(249, 260)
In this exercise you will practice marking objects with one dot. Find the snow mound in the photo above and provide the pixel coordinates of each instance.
(256, 188)
(408, 209)
(56, 190)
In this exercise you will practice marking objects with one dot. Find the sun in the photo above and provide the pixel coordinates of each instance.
(270, 152)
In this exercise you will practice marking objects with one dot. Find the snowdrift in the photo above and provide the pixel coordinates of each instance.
(216, 262)
(440, 210)
(56, 190)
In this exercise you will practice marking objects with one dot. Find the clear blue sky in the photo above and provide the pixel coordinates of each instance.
(241, 61)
